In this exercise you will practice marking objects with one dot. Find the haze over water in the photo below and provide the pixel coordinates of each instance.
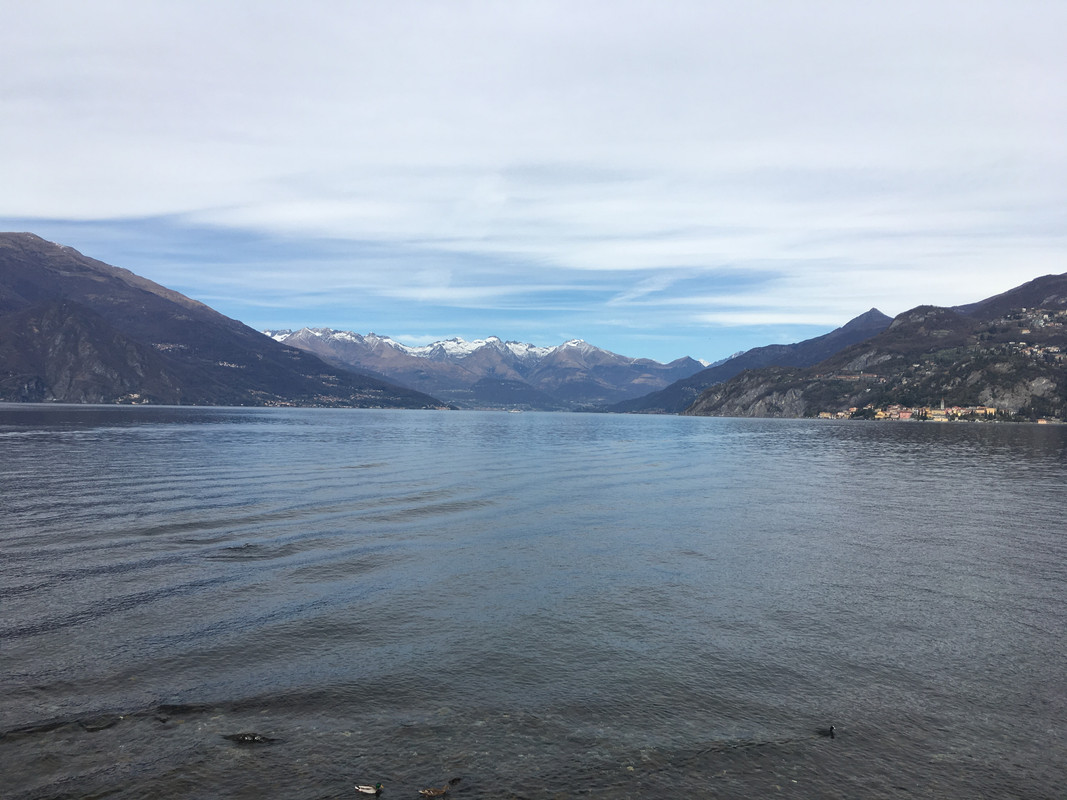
(547, 605)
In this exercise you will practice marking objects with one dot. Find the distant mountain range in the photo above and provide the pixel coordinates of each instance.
(677, 397)
(76, 330)
(491, 373)
(1008, 352)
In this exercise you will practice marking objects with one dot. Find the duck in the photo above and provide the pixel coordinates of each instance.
(825, 731)
(438, 792)
(248, 738)
(376, 789)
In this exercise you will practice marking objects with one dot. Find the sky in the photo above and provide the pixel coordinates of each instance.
(661, 179)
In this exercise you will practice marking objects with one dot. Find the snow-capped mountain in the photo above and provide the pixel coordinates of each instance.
(458, 349)
(493, 373)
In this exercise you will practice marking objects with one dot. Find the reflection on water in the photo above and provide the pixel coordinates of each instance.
(544, 604)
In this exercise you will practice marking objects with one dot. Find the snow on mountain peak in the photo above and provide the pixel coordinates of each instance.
(526, 351)
(347, 336)
(374, 340)
(459, 348)
(455, 348)
(582, 346)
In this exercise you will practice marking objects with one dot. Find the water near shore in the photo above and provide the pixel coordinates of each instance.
(546, 605)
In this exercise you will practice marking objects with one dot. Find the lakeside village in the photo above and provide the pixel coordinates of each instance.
(1027, 320)
(927, 414)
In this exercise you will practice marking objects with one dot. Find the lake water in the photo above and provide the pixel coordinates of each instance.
(544, 605)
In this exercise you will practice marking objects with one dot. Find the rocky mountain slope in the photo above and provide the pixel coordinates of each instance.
(674, 399)
(76, 330)
(491, 373)
(1007, 352)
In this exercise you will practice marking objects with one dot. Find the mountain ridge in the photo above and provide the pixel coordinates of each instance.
(483, 372)
(674, 399)
(74, 329)
(1008, 352)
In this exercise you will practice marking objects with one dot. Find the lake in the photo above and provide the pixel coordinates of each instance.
(542, 605)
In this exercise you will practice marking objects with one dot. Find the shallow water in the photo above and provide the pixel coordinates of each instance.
(546, 605)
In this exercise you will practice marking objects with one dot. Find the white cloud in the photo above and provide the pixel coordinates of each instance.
(865, 154)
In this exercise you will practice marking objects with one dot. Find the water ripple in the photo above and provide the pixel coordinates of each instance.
(545, 605)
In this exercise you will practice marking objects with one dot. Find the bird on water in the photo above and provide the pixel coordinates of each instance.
(439, 792)
(826, 731)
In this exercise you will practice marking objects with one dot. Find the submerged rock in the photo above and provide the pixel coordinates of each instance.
(100, 723)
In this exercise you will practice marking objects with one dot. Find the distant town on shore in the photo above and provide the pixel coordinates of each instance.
(939, 414)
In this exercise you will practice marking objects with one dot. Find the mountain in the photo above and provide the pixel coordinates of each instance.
(491, 373)
(1049, 291)
(77, 330)
(680, 395)
(1008, 352)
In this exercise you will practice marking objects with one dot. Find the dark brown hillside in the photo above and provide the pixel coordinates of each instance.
(996, 355)
(73, 329)
(678, 396)
(1048, 291)
(910, 334)
(63, 350)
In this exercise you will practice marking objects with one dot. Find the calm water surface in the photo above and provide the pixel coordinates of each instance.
(545, 605)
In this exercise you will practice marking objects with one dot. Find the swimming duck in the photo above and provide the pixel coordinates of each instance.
(438, 792)
(248, 738)
(376, 789)
(825, 731)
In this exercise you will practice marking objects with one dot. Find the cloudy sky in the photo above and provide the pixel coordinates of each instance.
(659, 178)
